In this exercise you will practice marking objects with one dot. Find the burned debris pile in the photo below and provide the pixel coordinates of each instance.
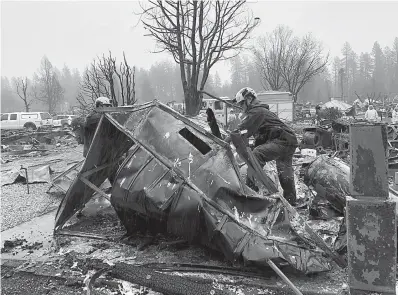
(332, 136)
(179, 179)
(23, 143)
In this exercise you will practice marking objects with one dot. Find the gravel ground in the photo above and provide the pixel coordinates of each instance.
(16, 205)
(20, 283)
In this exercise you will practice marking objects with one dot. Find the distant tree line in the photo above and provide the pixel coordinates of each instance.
(61, 91)
(279, 61)
(367, 74)
(49, 89)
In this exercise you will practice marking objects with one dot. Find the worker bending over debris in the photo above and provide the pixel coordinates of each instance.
(274, 140)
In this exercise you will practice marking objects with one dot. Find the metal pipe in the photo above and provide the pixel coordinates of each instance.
(232, 105)
(26, 175)
(226, 115)
(284, 278)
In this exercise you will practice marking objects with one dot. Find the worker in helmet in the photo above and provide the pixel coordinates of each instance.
(274, 140)
(92, 121)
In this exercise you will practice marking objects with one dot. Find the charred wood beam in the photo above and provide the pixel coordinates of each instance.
(232, 105)
(94, 187)
(212, 121)
(99, 168)
(72, 233)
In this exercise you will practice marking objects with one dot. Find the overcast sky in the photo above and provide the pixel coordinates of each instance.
(73, 32)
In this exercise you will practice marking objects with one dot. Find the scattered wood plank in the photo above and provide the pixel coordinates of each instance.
(94, 187)
(65, 232)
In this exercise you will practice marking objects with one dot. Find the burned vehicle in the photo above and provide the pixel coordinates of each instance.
(179, 179)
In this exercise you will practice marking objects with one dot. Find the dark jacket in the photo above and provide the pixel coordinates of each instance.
(91, 124)
(265, 126)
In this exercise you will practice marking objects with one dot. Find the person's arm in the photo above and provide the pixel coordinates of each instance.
(251, 122)
(92, 120)
(228, 139)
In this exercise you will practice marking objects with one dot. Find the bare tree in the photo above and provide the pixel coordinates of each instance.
(126, 76)
(290, 62)
(90, 87)
(372, 97)
(269, 56)
(197, 34)
(21, 89)
(104, 78)
(106, 66)
(47, 87)
(93, 85)
(304, 60)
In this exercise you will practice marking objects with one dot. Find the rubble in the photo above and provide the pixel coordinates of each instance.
(11, 244)
(16, 205)
(36, 138)
(169, 184)
(36, 174)
(333, 136)
(180, 187)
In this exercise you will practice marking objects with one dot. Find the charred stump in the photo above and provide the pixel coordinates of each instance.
(212, 121)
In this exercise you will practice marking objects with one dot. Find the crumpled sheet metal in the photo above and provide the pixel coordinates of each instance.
(102, 150)
(179, 178)
(66, 178)
(11, 176)
(36, 174)
(330, 178)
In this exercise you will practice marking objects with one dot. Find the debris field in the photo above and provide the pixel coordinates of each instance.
(178, 216)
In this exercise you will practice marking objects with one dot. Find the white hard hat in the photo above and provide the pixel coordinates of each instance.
(103, 100)
(244, 94)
